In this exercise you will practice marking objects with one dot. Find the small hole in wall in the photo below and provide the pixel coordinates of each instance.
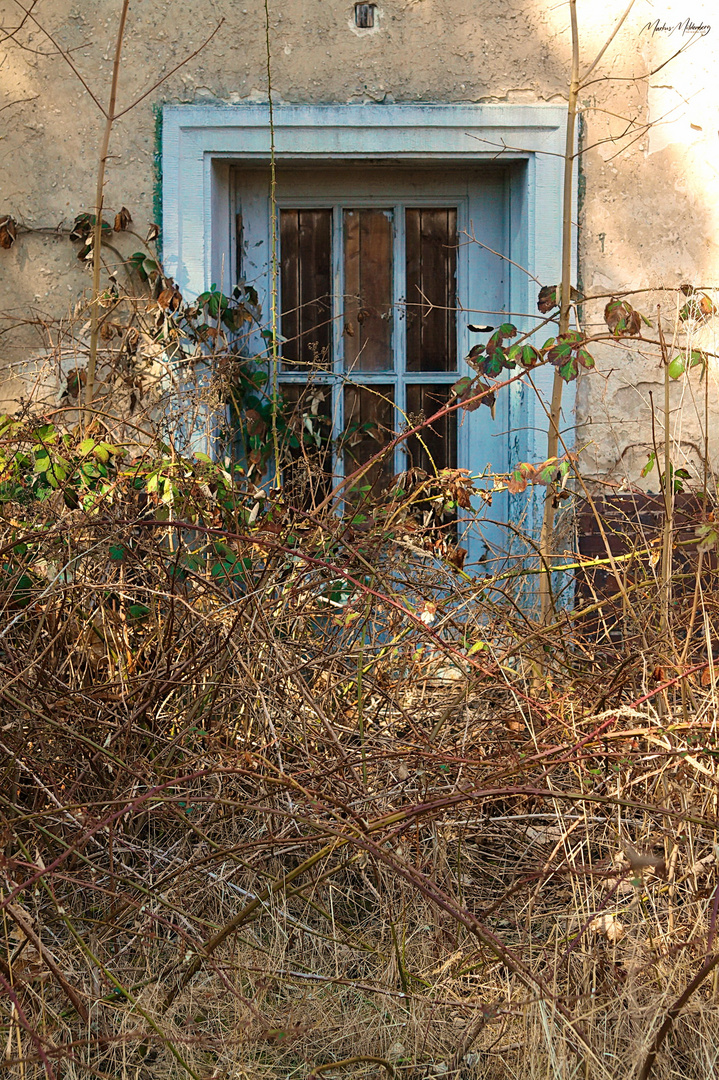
(364, 16)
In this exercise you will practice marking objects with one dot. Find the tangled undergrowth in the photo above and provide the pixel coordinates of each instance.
(287, 796)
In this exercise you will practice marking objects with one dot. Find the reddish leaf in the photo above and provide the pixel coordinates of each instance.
(547, 298)
(622, 319)
(461, 386)
(550, 296)
(255, 424)
(75, 381)
(518, 480)
(698, 306)
(470, 400)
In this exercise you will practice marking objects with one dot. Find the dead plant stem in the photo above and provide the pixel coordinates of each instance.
(546, 541)
(97, 227)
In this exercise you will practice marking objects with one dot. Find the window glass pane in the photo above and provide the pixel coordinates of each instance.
(306, 449)
(305, 287)
(368, 290)
(436, 446)
(431, 289)
(369, 420)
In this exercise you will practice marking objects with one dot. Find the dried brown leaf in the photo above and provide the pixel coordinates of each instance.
(8, 232)
(608, 926)
(123, 218)
(170, 298)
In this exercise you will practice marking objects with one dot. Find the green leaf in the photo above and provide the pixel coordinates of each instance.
(569, 370)
(86, 446)
(528, 356)
(677, 367)
(217, 303)
(560, 351)
(649, 465)
(223, 569)
(138, 611)
(117, 552)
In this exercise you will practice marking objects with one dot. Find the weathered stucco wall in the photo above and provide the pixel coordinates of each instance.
(647, 217)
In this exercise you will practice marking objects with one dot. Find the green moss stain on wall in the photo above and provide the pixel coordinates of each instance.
(157, 175)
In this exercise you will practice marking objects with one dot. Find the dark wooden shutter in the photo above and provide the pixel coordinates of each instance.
(431, 289)
(437, 446)
(368, 290)
(306, 288)
(369, 420)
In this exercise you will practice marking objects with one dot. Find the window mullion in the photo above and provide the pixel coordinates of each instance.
(399, 335)
(337, 315)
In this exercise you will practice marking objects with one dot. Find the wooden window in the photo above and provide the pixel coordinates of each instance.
(351, 156)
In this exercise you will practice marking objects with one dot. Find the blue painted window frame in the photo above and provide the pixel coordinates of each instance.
(202, 143)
